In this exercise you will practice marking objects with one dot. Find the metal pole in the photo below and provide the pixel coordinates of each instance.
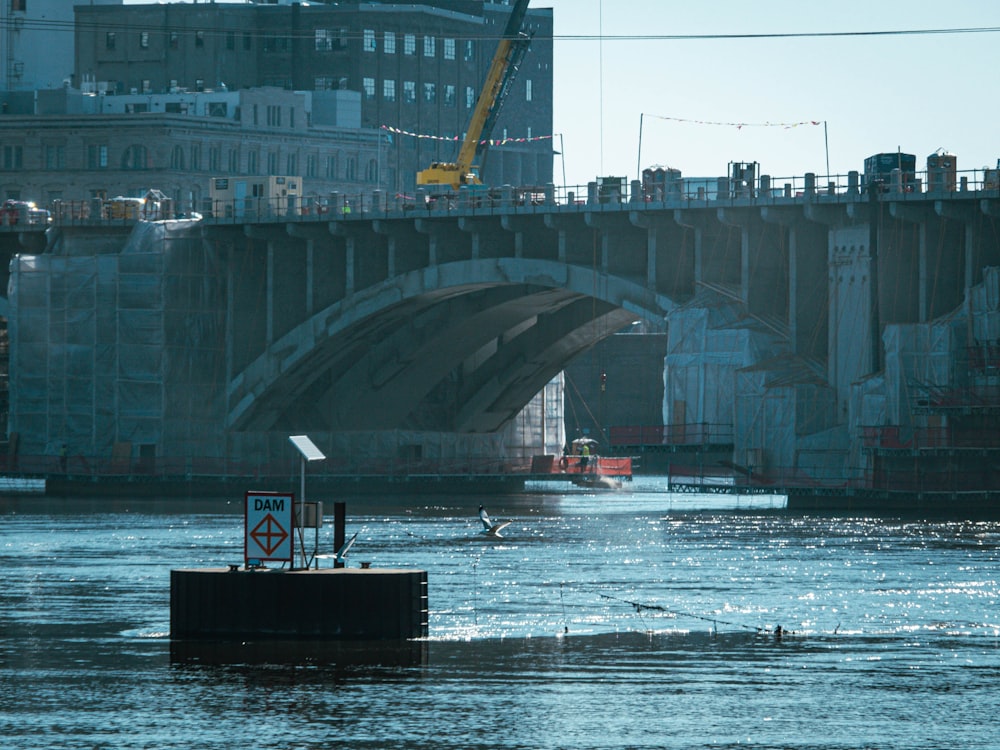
(826, 141)
(562, 155)
(638, 166)
(299, 517)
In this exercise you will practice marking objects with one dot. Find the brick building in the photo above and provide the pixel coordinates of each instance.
(418, 67)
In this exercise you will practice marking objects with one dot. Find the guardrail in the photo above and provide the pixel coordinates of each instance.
(179, 468)
(616, 195)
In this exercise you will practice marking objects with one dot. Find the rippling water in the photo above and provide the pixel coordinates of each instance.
(636, 619)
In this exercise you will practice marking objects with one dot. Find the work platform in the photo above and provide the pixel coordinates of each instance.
(279, 604)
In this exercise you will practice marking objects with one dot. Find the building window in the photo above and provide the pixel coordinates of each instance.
(470, 50)
(174, 40)
(389, 42)
(272, 162)
(371, 171)
(449, 95)
(147, 86)
(293, 164)
(430, 93)
(199, 39)
(331, 167)
(409, 92)
(55, 157)
(430, 46)
(231, 40)
(324, 40)
(110, 39)
(368, 42)
(144, 39)
(352, 168)
(135, 157)
(527, 90)
(21, 5)
(273, 116)
(253, 161)
(369, 86)
(177, 158)
(409, 44)
(234, 161)
(215, 159)
(196, 157)
(389, 90)
(97, 156)
(247, 41)
(470, 97)
(13, 157)
(312, 165)
(449, 49)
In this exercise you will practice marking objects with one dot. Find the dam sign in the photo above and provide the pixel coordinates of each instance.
(268, 528)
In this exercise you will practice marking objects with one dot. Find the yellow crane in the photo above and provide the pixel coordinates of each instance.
(510, 50)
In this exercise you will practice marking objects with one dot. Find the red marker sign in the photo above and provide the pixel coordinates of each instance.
(268, 526)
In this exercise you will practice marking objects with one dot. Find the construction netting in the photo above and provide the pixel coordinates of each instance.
(120, 345)
(920, 361)
(780, 402)
(708, 341)
(985, 308)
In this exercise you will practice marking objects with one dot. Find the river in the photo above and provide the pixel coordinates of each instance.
(631, 619)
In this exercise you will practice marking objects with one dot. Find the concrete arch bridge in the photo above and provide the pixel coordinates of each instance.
(215, 337)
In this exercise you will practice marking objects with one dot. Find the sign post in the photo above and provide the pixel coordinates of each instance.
(268, 524)
(309, 452)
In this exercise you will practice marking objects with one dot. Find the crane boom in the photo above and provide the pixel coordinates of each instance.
(509, 51)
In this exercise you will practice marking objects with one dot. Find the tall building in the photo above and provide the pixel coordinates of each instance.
(418, 66)
(36, 43)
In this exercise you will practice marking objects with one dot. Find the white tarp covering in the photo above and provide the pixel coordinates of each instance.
(985, 304)
(118, 347)
(707, 343)
(919, 360)
(779, 401)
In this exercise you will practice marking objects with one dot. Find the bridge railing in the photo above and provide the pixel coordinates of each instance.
(693, 434)
(601, 195)
(181, 468)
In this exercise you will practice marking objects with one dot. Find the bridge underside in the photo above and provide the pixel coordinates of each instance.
(462, 359)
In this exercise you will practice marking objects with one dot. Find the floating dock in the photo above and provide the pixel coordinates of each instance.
(275, 604)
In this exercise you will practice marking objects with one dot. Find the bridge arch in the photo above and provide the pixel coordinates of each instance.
(457, 347)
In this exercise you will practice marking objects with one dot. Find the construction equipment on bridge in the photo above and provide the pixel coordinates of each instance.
(472, 154)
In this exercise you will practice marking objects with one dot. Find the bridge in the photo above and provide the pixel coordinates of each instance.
(449, 316)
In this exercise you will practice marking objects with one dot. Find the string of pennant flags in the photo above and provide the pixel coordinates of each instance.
(741, 125)
(487, 141)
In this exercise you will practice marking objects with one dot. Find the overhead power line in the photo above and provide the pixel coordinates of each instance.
(136, 25)
(774, 35)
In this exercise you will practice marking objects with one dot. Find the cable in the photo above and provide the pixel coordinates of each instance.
(639, 606)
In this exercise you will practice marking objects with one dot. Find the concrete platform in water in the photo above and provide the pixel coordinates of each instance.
(271, 604)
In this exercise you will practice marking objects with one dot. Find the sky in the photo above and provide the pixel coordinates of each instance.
(627, 97)
(868, 94)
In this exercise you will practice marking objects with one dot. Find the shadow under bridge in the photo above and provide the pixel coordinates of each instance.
(455, 347)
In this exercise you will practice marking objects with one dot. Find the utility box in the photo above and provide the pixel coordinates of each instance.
(255, 197)
(942, 172)
(661, 183)
(611, 189)
(879, 169)
(743, 178)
